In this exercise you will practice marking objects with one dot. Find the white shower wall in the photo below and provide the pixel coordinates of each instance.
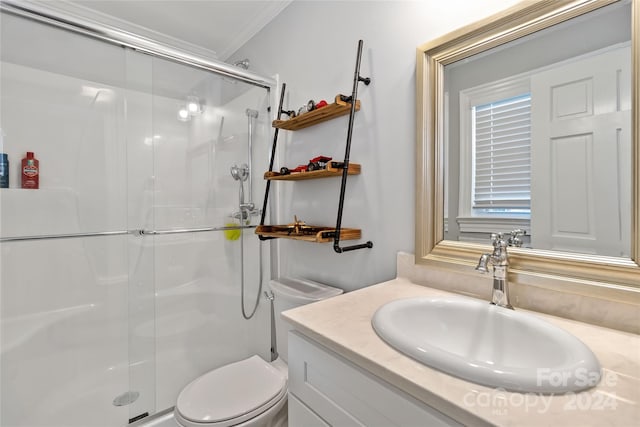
(85, 319)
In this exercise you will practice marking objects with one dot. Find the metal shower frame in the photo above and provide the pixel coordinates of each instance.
(96, 30)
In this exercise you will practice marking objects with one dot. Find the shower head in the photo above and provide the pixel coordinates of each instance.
(240, 173)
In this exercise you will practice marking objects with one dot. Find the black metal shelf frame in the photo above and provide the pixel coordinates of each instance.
(357, 78)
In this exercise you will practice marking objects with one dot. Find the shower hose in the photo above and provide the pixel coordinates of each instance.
(255, 306)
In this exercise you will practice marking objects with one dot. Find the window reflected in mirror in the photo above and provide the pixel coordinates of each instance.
(538, 137)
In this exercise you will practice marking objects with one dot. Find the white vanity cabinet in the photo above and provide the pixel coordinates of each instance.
(327, 390)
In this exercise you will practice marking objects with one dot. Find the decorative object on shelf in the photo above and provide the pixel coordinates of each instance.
(331, 169)
(320, 167)
(289, 113)
(341, 107)
(286, 171)
(309, 233)
(311, 105)
(297, 226)
(317, 163)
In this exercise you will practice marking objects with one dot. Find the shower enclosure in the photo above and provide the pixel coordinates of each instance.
(120, 276)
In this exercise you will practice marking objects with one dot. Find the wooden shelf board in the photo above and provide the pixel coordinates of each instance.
(313, 234)
(354, 169)
(314, 117)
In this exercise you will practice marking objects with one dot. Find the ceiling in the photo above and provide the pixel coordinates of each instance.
(221, 26)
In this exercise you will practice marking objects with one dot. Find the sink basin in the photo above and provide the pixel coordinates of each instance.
(487, 344)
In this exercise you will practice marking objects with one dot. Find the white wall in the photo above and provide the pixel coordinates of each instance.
(312, 46)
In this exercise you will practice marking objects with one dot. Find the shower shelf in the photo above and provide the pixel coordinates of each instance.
(343, 105)
(331, 170)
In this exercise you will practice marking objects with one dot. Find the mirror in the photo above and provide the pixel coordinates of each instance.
(516, 130)
(538, 137)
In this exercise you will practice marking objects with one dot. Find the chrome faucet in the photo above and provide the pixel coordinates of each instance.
(500, 261)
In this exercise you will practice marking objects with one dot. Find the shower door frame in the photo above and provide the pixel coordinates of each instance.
(77, 24)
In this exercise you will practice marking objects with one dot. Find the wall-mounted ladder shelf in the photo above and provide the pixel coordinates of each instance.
(298, 230)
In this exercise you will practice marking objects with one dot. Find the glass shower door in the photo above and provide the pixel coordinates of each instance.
(199, 325)
(64, 255)
(117, 286)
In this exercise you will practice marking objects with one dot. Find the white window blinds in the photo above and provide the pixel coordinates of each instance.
(502, 155)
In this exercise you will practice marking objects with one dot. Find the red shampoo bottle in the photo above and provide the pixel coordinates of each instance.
(30, 171)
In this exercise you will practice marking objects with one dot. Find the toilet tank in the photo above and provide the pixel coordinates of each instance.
(291, 293)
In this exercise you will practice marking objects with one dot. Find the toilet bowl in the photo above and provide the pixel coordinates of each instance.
(250, 392)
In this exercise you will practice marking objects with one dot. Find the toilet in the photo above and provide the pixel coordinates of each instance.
(250, 392)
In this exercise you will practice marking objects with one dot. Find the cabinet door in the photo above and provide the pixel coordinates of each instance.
(300, 415)
(344, 395)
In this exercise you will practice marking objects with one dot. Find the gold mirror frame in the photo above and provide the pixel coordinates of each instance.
(606, 277)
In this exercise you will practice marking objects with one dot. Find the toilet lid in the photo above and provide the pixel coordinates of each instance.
(231, 391)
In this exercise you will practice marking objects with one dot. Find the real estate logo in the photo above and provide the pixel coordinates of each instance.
(500, 401)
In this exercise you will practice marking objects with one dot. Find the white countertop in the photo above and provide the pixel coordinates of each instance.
(343, 324)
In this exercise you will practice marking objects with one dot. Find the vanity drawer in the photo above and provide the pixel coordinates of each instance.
(344, 395)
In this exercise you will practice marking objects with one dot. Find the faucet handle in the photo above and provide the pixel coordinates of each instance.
(515, 239)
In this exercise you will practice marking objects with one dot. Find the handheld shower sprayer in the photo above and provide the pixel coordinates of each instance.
(240, 173)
